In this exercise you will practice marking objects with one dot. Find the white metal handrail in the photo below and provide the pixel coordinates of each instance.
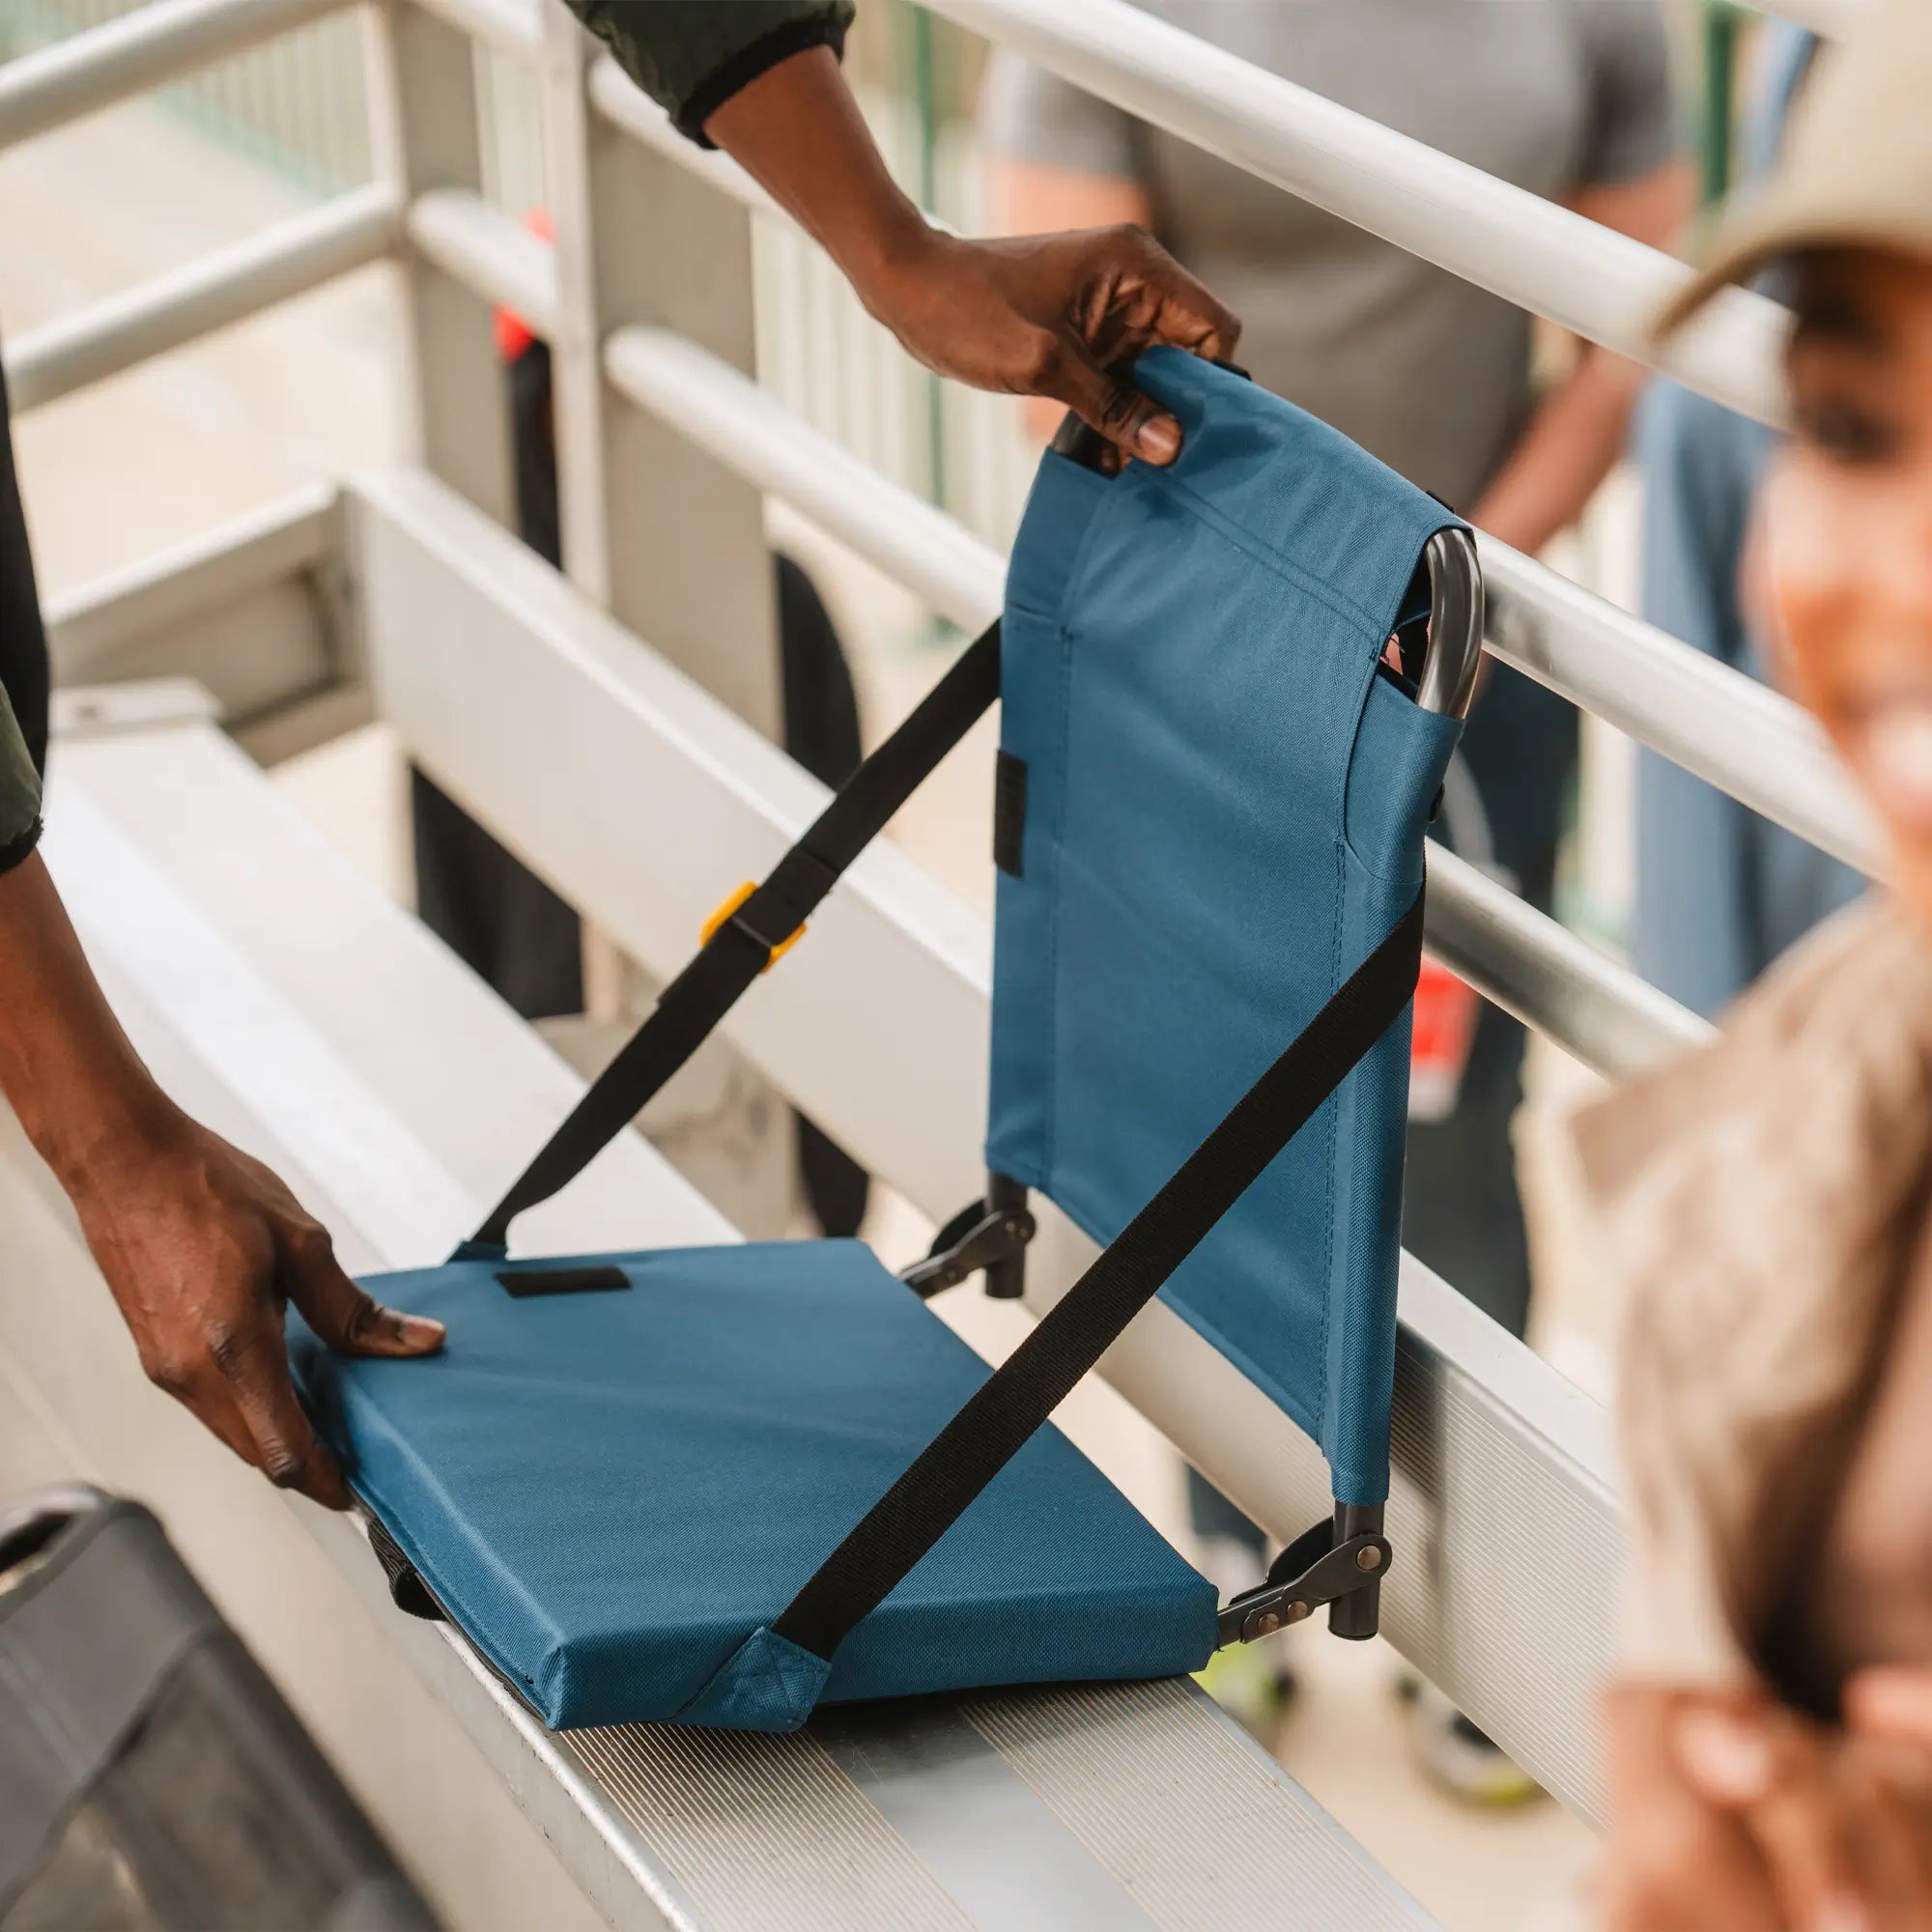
(1709, 719)
(1600, 1011)
(488, 251)
(1748, 740)
(208, 293)
(1530, 251)
(626, 106)
(155, 44)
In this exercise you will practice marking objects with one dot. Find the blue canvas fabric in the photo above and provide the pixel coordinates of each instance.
(1225, 808)
(615, 1492)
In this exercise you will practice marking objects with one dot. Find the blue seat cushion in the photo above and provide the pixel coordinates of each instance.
(614, 1492)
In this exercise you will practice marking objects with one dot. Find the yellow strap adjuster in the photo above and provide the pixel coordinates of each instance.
(730, 906)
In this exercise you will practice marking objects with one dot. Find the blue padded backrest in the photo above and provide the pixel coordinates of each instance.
(1224, 811)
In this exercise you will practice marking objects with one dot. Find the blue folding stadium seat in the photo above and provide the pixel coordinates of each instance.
(720, 1486)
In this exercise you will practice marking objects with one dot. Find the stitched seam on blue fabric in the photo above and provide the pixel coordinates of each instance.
(697, 1697)
(1053, 608)
(781, 1684)
(451, 1599)
(1075, 574)
(1337, 602)
(710, 1683)
(1264, 552)
(1413, 753)
(475, 1629)
(1333, 1108)
(1050, 1134)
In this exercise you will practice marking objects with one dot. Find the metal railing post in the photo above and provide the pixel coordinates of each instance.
(577, 382)
(423, 136)
(682, 542)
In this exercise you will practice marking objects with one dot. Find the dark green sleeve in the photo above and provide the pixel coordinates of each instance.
(692, 56)
(19, 792)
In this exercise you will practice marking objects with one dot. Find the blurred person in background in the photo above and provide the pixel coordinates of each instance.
(1720, 892)
(1572, 100)
(1765, 1203)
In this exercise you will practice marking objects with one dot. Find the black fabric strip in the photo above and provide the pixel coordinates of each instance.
(19, 849)
(747, 65)
(1009, 802)
(740, 949)
(1006, 1410)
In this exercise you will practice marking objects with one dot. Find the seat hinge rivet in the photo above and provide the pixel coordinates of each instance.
(1297, 1611)
(1369, 1558)
(1267, 1623)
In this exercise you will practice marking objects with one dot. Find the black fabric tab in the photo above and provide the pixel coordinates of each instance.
(521, 1281)
(1009, 800)
(1011, 1404)
(406, 1589)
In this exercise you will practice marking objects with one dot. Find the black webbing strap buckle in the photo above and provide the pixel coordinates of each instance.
(731, 911)
(1317, 1567)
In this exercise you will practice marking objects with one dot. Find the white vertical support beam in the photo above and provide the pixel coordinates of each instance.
(660, 533)
(424, 136)
(677, 537)
(577, 377)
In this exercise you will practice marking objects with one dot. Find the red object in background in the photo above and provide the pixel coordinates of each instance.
(514, 334)
(1445, 1024)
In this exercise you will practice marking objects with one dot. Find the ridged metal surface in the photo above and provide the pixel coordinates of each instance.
(1507, 1564)
(762, 1831)
(1203, 1832)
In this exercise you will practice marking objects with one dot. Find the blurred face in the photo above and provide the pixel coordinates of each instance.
(1846, 538)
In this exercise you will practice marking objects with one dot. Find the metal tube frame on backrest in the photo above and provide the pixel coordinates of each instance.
(1448, 686)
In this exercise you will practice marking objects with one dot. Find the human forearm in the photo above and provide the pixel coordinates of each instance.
(1059, 316)
(1572, 444)
(798, 131)
(66, 1066)
(200, 1245)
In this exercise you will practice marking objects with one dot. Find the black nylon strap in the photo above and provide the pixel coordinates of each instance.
(741, 949)
(1006, 1410)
